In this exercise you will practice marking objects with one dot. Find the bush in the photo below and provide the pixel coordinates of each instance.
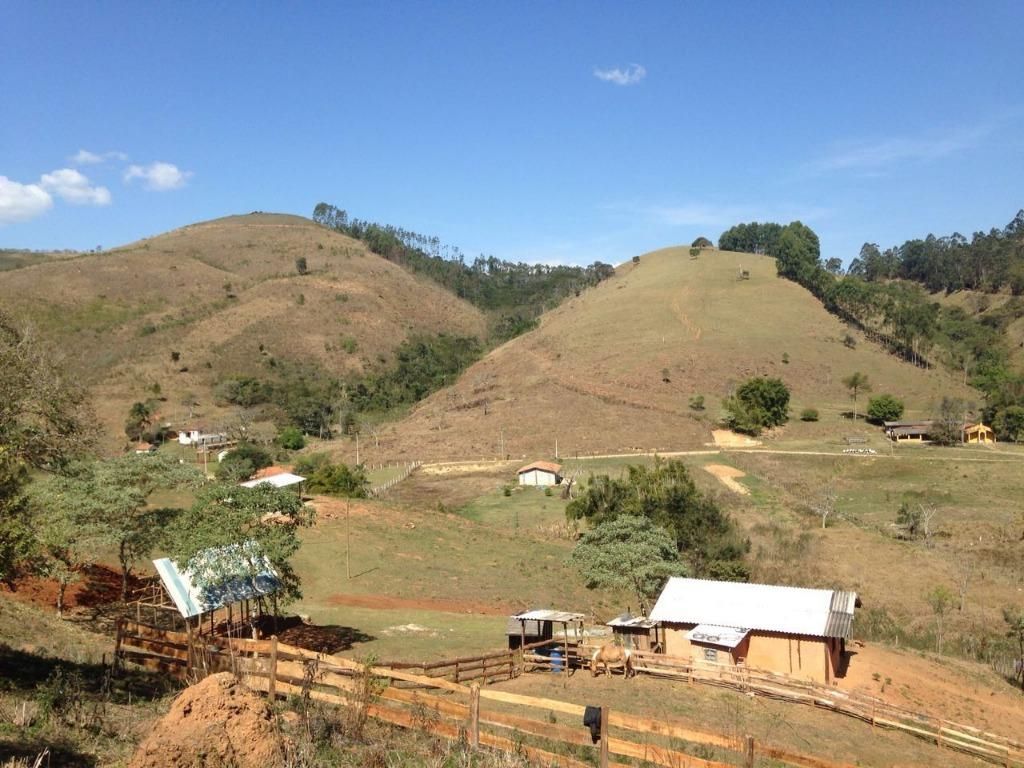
(884, 408)
(809, 414)
(301, 266)
(291, 439)
(697, 402)
(702, 242)
(337, 479)
(759, 403)
(257, 457)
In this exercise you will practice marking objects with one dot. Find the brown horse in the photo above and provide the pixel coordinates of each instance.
(612, 656)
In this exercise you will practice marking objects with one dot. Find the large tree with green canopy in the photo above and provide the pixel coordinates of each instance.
(44, 422)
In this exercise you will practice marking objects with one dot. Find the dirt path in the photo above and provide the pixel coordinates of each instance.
(387, 602)
(726, 438)
(728, 477)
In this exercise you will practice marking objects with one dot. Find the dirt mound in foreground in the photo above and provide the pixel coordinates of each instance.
(216, 722)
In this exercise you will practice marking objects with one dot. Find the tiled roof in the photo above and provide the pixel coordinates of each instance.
(544, 466)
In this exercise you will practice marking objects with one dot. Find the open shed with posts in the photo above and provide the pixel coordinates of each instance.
(545, 633)
(638, 633)
(224, 591)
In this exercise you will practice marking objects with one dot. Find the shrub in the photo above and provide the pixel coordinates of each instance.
(702, 242)
(291, 439)
(809, 414)
(758, 403)
(884, 408)
(849, 342)
(301, 266)
(785, 358)
(697, 402)
(242, 461)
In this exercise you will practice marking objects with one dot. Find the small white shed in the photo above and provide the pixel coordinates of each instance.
(540, 473)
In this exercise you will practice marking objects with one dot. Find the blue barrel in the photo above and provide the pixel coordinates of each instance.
(556, 660)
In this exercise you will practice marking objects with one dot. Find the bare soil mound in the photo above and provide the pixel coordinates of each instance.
(216, 722)
(728, 476)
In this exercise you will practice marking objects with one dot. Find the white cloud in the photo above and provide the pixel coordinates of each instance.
(631, 75)
(872, 158)
(21, 202)
(85, 157)
(158, 176)
(696, 214)
(74, 187)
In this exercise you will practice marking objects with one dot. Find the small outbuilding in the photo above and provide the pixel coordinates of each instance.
(543, 473)
(280, 480)
(787, 630)
(979, 433)
(223, 590)
(638, 633)
(908, 431)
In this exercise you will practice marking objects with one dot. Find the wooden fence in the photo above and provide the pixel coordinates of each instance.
(879, 713)
(407, 469)
(454, 710)
(549, 731)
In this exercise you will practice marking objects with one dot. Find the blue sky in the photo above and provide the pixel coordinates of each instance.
(560, 132)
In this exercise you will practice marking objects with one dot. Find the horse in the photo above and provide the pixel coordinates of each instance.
(612, 656)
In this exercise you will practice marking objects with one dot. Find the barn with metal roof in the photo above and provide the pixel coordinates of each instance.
(789, 630)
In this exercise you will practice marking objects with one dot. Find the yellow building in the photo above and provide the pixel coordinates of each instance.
(786, 630)
(979, 433)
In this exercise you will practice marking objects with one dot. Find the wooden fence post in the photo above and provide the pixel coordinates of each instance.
(272, 683)
(474, 715)
(748, 752)
(117, 645)
(603, 761)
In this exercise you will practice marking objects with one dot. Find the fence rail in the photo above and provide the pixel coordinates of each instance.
(432, 696)
(407, 469)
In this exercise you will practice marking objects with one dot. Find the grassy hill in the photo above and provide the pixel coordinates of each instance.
(226, 296)
(615, 368)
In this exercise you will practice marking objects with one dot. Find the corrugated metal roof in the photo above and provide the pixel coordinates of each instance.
(629, 620)
(546, 615)
(226, 575)
(709, 634)
(544, 466)
(793, 610)
(283, 480)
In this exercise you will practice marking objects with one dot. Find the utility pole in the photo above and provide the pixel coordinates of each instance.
(357, 448)
(501, 437)
(348, 543)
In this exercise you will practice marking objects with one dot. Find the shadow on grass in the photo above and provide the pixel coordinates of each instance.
(29, 672)
(328, 639)
(60, 753)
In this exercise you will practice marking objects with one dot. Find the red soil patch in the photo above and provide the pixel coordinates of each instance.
(216, 722)
(386, 602)
(331, 508)
(97, 586)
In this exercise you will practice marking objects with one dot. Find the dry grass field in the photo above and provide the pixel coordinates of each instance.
(614, 369)
(226, 296)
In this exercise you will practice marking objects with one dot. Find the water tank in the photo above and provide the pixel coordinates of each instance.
(556, 660)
